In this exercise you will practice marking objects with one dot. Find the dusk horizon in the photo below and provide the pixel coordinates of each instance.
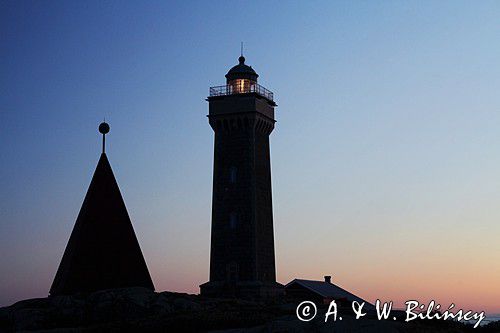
(384, 158)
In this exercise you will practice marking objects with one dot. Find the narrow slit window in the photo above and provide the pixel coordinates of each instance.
(233, 220)
(233, 173)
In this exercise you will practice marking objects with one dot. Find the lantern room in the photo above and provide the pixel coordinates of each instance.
(241, 78)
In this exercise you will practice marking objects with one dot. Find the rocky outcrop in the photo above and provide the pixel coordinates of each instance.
(117, 309)
(141, 310)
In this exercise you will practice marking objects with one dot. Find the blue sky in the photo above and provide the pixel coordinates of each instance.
(385, 151)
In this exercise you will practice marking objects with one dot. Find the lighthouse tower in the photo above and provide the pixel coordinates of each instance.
(242, 263)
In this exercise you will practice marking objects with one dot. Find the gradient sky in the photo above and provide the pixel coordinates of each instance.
(385, 157)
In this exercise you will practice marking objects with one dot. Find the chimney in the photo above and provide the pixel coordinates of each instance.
(328, 278)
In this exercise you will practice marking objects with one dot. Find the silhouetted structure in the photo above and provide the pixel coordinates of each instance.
(241, 113)
(103, 251)
(322, 292)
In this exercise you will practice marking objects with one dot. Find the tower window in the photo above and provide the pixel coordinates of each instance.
(233, 220)
(232, 271)
(233, 173)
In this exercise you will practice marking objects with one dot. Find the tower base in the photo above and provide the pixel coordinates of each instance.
(251, 290)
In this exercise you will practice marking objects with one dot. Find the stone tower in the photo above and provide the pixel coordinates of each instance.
(241, 113)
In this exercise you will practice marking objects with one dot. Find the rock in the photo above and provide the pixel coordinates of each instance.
(142, 310)
(30, 318)
(181, 304)
(162, 305)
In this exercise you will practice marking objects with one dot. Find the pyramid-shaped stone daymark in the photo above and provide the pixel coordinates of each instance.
(103, 251)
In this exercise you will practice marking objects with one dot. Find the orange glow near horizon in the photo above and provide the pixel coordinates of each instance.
(444, 281)
(424, 267)
(476, 295)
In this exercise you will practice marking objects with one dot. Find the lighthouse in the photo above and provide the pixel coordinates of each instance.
(242, 259)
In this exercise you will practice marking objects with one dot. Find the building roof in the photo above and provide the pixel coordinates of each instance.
(242, 71)
(327, 290)
(103, 251)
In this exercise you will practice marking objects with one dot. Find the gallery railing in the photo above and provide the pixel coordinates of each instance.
(241, 89)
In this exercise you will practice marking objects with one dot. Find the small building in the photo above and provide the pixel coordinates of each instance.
(322, 292)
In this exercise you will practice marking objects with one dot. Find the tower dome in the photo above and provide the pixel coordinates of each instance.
(242, 71)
